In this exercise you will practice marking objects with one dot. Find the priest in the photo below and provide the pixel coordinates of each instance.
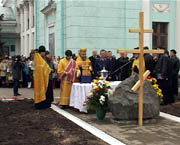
(66, 70)
(84, 67)
(42, 71)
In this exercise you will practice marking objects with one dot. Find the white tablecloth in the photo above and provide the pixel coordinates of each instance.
(79, 93)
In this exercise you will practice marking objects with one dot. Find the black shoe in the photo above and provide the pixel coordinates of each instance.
(64, 106)
(19, 94)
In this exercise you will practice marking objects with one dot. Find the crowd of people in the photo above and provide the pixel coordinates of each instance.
(20, 71)
(12, 66)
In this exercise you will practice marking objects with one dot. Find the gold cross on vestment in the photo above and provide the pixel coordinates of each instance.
(141, 52)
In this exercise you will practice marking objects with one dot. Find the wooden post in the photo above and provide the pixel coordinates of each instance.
(141, 52)
(141, 57)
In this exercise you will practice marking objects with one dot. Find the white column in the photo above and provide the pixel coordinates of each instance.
(26, 47)
(30, 25)
(31, 13)
(146, 10)
(178, 28)
(21, 33)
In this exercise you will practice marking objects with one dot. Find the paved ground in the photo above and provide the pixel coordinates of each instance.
(163, 132)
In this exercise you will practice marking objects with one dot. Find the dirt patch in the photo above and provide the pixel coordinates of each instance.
(21, 124)
(173, 109)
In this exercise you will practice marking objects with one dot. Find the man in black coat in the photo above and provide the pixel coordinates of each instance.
(122, 67)
(174, 72)
(17, 74)
(101, 63)
(93, 59)
(162, 73)
(112, 61)
(148, 61)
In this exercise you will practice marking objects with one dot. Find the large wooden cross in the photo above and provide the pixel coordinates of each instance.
(141, 52)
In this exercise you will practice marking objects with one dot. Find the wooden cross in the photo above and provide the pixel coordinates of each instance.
(141, 52)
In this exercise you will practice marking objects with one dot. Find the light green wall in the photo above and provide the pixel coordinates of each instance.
(39, 23)
(41, 26)
(59, 41)
(93, 24)
(101, 24)
(169, 17)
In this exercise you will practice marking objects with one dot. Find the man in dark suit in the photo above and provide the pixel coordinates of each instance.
(17, 74)
(148, 61)
(174, 72)
(123, 66)
(101, 63)
(93, 59)
(112, 61)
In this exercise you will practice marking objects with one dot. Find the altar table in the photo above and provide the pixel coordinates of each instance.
(79, 93)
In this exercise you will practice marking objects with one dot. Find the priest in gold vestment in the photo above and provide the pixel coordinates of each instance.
(66, 70)
(42, 70)
(84, 65)
(135, 65)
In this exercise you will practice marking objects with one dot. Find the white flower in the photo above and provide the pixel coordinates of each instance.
(90, 94)
(110, 92)
(101, 102)
(102, 99)
(100, 82)
(100, 85)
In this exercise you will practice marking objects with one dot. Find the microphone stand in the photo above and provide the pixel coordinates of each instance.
(122, 67)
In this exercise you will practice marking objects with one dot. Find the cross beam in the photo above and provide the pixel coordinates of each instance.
(138, 30)
(141, 52)
(138, 51)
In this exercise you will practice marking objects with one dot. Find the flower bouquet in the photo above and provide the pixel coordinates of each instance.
(98, 97)
(156, 87)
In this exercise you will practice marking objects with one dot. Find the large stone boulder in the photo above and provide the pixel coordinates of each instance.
(124, 102)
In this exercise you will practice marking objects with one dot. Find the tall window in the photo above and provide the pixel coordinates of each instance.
(160, 35)
(52, 44)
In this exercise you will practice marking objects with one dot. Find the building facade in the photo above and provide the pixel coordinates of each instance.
(97, 24)
(72, 24)
(25, 15)
(9, 34)
(23, 11)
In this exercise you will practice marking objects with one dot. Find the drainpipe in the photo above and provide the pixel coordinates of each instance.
(62, 27)
(35, 23)
(125, 35)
